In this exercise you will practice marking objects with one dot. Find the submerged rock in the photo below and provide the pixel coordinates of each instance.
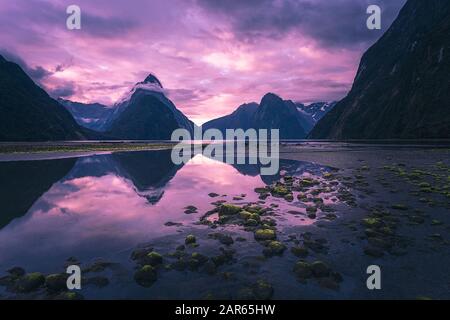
(56, 282)
(213, 194)
(301, 252)
(274, 248)
(153, 259)
(228, 209)
(145, 276)
(320, 269)
(223, 238)
(30, 282)
(265, 234)
(303, 270)
(190, 239)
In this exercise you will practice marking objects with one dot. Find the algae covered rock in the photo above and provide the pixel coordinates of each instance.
(30, 282)
(145, 276)
(190, 239)
(274, 248)
(56, 282)
(265, 234)
(228, 209)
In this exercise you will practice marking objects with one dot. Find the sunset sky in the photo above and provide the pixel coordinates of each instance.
(210, 55)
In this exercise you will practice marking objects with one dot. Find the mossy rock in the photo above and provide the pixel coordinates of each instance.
(223, 238)
(262, 190)
(190, 239)
(279, 191)
(263, 290)
(30, 282)
(289, 197)
(310, 209)
(153, 259)
(265, 234)
(274, 248)
(145, 276)
(251, 223)
(303, 270)
(372, 222)
(244, 214)
(56, 282)
(300, 252)
(228, 209)
(320, 269)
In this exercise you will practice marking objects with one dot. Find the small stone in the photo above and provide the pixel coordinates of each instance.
(213, 194)
(303, 270)
(190, 239)
(146, 276)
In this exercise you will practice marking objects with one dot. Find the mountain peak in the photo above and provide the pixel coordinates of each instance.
(271, 98)
(151, 78)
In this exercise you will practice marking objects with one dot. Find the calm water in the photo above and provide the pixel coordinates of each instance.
(102, 208)
(105, 206)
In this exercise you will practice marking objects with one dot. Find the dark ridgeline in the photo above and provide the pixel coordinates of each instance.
(241, 118)
(272, 113)
(24, 182)
(28, 113)
(89, 115)
(402, 88)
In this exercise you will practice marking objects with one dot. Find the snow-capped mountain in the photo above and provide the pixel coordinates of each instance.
(316, 110)
(294, 120)
(146, 113)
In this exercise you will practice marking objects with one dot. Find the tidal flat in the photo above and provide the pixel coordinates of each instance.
(141, 227)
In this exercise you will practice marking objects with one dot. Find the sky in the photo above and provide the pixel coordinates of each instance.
(210, 55)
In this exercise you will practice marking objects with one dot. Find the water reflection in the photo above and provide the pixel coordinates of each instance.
(103, 205)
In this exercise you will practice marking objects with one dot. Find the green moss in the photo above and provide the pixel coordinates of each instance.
(265, 234)
(301, 252)
(145, 276)
(303, 270)
(190, 239)
(371, 222)
(154, 258)
(228, 209)
(274, 248)
(279, 191)
(56, 282)
(320, 269)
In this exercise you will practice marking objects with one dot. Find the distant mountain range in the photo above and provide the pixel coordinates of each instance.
(28, 113)
(402, 87)
(295, 120)
(401, 90)
(90, 115)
